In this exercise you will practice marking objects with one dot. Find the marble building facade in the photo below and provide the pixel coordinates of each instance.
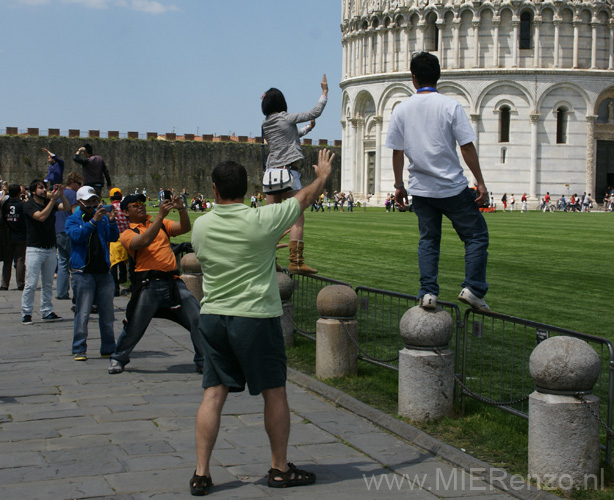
(536, 79)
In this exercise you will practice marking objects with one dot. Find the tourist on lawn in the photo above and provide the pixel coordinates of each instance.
(241, 330)
(427, 128)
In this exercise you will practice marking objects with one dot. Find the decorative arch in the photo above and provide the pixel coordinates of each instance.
(488, 89)
(567, 86)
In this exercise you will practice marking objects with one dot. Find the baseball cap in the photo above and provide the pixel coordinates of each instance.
(113, 193)
(131, 198)
(85, 193)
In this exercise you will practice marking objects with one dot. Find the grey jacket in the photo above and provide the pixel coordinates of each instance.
(282, 134)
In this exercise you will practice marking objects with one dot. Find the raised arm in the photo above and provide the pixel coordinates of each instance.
(323, 169)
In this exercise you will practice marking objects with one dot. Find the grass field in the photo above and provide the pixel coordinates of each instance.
(553, 268)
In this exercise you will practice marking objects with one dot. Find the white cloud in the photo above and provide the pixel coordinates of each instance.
(148, 6)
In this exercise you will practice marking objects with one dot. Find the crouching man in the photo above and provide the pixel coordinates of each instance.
(90, 230)
(240, 314)
(158, 290)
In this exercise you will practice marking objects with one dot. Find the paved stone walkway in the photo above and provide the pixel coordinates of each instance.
(71, 430)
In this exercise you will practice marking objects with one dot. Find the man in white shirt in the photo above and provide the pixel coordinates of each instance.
(426, 128)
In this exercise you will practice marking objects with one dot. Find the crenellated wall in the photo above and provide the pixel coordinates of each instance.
(147, 164)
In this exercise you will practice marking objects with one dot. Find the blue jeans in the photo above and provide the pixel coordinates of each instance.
(88, 288)
(154, 296)
(39, 261)
(471, 228)
(62, 284)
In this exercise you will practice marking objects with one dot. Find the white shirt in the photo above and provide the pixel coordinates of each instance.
(427, 127)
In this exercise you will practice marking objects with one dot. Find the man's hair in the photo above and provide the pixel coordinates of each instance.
(88, 148)
(425, 67)
(14, 190)
(34, 184)
(230, 179)
(273, 102)
(73, 177)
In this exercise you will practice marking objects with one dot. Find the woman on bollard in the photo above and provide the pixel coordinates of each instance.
(283, 137)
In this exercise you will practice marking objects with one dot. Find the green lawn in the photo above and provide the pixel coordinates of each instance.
(553, 268)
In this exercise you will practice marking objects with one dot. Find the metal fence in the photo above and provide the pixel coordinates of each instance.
(491, 350)
(495, 363)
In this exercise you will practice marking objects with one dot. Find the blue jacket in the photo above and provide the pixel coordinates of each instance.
(80, 233)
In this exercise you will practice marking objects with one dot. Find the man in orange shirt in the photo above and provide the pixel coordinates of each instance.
(158, 290)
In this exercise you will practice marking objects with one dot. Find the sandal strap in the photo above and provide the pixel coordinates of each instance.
(299, 474)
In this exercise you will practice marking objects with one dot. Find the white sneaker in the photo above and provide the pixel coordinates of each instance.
(428, 301)
(468, 297)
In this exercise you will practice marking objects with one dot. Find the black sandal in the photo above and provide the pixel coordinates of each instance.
(292, 477)
(199, 485)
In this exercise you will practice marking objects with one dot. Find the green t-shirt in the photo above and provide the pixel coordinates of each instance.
(235, 245)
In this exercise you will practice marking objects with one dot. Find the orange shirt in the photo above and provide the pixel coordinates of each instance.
(158, 256)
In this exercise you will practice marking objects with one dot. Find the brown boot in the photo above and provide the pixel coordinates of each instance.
(297, 263)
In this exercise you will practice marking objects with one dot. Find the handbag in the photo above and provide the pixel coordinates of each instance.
(278, 180)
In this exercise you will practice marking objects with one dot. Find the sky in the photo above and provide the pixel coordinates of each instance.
(183, 66)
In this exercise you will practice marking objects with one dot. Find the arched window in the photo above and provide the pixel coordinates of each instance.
(562, 118)
(431, 38)
(504, 124)
(525, 30)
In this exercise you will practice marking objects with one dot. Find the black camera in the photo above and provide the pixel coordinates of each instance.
(168, 195)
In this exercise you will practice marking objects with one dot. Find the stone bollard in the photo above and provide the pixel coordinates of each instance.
(336, 353)
(286, 287)
(563, 435)
(426, 384)
(192, 275)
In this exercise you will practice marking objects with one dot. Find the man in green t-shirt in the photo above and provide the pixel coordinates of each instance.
(240, 313)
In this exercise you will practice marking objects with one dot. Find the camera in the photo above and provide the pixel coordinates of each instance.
(168, 195)
(108, 208)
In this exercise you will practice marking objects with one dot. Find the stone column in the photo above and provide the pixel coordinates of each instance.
(515, 26)
(475, 124)
(611, 58)
(370, 48)
(557, 36)
(576, 41)
(591, 160)
(192, 275)
(361, 52)
(336, 353)
(426, 384)
(286, 287)
(563, 435)
(420, 35)
(378, 155)
(442, 53)
(380, 48)
(476, 42)
(406, 50)
(496, 23)
(537, 21)
(533, 176)
(594, 25)
(456, 32)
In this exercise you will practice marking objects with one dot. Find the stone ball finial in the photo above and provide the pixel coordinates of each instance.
(337, 301)
(426, 327)
(564, 364)
(286, 286)
(190, 264)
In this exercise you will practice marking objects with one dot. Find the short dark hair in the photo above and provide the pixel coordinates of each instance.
(88, 148)
(230, 179)
(34, 184)
(425, 67)
(14, 190)
(273, 102)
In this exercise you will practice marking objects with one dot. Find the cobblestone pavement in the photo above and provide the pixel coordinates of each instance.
(71, 430)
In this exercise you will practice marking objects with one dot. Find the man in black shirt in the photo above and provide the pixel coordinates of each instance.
(94, 169)
(15, 251)
(41, 258)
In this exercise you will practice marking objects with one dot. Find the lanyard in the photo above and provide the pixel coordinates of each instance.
(427, 89)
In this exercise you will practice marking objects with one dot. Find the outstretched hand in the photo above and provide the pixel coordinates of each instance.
(324, 85)
(325, 163)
